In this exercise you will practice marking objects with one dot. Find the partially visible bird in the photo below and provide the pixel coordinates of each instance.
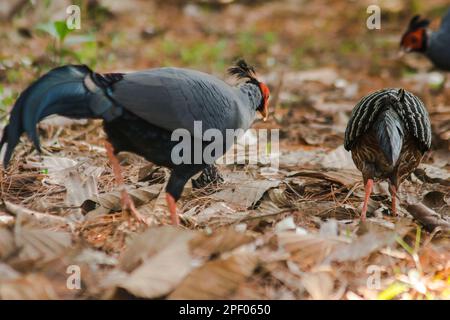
(388, 132)
(141, 110)
(434, 44)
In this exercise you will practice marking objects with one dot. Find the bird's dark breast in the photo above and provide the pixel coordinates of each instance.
(370, 159)
(130, 133)
(133, 134)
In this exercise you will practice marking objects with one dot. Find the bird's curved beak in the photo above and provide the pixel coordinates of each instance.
(265, 111)
(403, 50)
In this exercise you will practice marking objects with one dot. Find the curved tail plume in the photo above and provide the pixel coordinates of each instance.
(70, 91)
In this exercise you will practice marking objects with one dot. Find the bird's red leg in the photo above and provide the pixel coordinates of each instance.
(394, 199)
(172, 204)
(126, 201)
(368, 191)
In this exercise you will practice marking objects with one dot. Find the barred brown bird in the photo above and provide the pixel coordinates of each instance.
(388, 132)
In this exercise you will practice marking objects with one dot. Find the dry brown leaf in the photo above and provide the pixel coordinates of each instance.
(435, 200)
(40, 244)
(110, 201)
(153, 173)
(79, 187)
(308, 250)
(428, 217)
(217, 279)
(361, 247)
(7, 272)
(278, 198)
(41, 218)
(345, 177)
(151, 242)
(438, 201)
(220, 241)
(160, 274)
(156, 211)
(79, 178)
(433, 174)
(339, 158)
(159, 259)
(28, 287)
(441, 158)
(320, 285)
(7, 244)
(55, 168)
(217, 214)
(246, 194)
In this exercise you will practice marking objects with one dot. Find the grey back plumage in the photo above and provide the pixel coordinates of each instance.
(173, 98)
(409, 108)
(438, 47)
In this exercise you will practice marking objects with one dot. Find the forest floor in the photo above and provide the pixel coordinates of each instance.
(295, 234)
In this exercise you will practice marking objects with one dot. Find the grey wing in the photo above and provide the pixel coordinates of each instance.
(363, 116)
(416, 119)
(410, 109)
(173, 98)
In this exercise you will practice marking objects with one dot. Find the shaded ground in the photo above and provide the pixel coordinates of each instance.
(293, 235)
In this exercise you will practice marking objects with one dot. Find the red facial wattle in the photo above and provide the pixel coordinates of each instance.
(266, 93)
(413, 41)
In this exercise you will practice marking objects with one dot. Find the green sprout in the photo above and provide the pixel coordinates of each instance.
(83, 48)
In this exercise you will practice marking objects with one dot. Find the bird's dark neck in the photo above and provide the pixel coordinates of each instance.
(250, 95)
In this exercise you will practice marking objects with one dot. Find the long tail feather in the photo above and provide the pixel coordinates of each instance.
(61, 91)
(390, 132)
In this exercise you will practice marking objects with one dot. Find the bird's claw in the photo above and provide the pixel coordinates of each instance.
(128, 205)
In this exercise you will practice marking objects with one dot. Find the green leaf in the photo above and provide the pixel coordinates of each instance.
(62, 30)
(57, 29)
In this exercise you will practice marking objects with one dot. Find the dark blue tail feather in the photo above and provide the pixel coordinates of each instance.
(60, 91)
(390, 132)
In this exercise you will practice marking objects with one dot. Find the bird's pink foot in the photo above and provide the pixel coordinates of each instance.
(128, 205)
(367, 191)
(394, 200)
(126, 201)
(172, 204)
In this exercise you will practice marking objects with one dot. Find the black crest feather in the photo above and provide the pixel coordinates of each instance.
(417, 23)
(401, 95)
(243, 71)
